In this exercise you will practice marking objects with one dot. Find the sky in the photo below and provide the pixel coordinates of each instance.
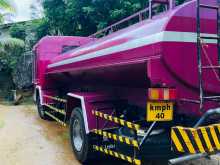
(23, 10)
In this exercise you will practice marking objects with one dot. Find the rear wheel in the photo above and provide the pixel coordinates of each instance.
(79, 139)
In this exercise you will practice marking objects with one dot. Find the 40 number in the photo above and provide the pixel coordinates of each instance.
(160, 116)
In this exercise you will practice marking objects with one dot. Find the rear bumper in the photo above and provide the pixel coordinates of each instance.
(200, 141)
(196, 140)
(154, 147)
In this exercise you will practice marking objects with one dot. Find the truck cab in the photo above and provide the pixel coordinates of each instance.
(51, 47)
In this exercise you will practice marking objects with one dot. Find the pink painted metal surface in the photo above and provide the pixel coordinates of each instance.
(160, 51)
(94, 101)
(50, 47)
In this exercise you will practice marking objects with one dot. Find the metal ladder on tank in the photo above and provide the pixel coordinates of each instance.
(200, 50)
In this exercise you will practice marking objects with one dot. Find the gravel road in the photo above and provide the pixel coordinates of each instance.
(25, 139)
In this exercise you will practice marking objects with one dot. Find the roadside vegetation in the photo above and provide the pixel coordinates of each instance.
(84, 17)
(8, 44)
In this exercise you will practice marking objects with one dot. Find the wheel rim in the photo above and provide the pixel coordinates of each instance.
(77, 135)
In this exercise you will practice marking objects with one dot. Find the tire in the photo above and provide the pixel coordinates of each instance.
(79, 139)
(41, 110)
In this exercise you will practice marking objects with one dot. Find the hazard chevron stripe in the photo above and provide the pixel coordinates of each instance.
(115, 137)
(118, 155)
(117, 120)
(55, 98)
(199, 140)
(62, 111)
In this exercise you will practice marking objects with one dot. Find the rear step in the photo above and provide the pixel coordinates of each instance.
(118, 155)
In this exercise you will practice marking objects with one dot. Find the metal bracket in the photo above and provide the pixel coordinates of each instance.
(207, 115)
(148, 133)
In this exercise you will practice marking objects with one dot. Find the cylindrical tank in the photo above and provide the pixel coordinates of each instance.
(158, 51)
(170, 37)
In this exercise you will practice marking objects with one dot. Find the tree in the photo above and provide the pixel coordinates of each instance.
(6, 10)
(18, 31)
(8, 41)
(5, 5)
(36, 10)
(8, 44)
(42, 28)
(74, 17)
(178, 2)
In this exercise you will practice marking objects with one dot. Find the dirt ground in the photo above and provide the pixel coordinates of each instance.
(26, 139)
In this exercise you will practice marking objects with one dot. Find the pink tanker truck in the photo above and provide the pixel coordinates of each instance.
(147, 91)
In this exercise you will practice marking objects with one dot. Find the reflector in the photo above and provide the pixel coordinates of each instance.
(161, 94)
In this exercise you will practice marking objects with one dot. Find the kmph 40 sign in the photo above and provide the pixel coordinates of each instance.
(159, 111)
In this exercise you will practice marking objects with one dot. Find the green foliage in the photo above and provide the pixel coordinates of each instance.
(74, 17)
(9, 54)
(29, 32)
(10, 43)
(83, 17)
(5, 5)
(41, 28)
(18, 31)
(9, 46)
(178, 2)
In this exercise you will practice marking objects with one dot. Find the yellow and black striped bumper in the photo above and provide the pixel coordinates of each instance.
(122, 139)
(118, 155)
(117, 120)
(196, 140)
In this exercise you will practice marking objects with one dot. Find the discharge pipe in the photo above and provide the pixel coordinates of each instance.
(187, 158)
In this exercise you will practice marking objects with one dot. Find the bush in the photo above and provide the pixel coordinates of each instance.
(18, 31)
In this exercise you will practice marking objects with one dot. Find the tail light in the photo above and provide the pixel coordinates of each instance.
(161, 94)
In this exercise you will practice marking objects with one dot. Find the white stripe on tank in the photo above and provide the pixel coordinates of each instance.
(166, 36)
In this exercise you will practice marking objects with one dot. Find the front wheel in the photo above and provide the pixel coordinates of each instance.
(41, 110)
(79, 139)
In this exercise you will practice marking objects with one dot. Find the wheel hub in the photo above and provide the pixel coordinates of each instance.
(77, 135)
